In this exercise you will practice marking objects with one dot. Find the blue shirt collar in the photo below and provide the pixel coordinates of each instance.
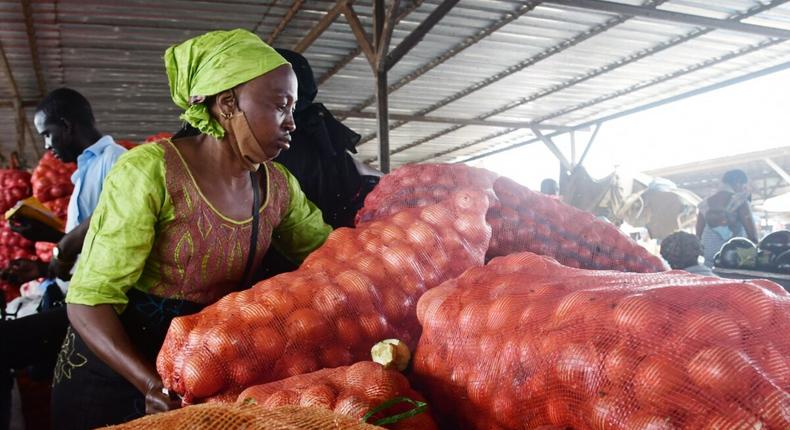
(89, 153)
(99, 146)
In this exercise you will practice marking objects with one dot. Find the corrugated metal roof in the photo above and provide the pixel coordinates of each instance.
(504, 60)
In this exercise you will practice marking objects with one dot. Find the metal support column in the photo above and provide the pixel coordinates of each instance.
(778, 169)
(589, 143)
(20, 132)
(382, 102)
(382, 119)
(573, 148)
(564, 163)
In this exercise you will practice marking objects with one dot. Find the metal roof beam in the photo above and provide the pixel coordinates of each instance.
(555, 49)
(778, 169)
(465, 145)
(553, 148)
(664, 78)
(461, 121)
(674, 17)
(418, 34)
(380, 29)
(356, 51)
(452, 52)
(590, 143)
(385, 37)
(617, 64)
(698, 91)
(17, 100)
(292, 11)
(429, 138)
(321, 26)
(363, 39)
(24, 103)
(339, 66)
(33, 45)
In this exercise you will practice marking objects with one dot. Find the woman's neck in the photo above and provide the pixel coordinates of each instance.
(220, 152)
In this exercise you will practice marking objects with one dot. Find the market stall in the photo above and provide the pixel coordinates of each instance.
(519, 311)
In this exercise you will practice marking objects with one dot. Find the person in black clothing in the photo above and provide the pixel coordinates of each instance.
(320, 159)
(319, 155)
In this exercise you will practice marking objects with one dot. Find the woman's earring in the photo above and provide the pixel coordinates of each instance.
(226, 115)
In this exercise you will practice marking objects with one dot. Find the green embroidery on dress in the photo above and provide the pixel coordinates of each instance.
(186, 247)
(67, 359)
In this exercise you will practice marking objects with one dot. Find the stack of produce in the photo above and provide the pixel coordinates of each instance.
(521, 220)
(128, 144)
(350, 390)
(44, 251)
(215, 416)
(52, 183)
(158, 136)
(525, 342)
(14, 185)
(359, 288)
(12, 246)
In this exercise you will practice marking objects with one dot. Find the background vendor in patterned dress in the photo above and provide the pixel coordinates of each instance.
(173, 230)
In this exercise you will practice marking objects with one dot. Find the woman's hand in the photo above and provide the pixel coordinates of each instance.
(104, 334)
(157, 400)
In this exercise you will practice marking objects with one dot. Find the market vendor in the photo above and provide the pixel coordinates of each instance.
(726, 214)
(320, 159)
(180, 224)
(65, 121)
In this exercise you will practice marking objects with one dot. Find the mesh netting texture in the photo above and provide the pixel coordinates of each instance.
(349, 390)
(215, 416)
(52, 184)
(525, 342)
(359, 288)
(520, 219)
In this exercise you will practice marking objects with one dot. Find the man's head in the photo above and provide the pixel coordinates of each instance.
(736, 178)
(549, 186)
(681, 250)
(65, 120)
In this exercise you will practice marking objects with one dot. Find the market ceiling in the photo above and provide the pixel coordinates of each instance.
(465, 78)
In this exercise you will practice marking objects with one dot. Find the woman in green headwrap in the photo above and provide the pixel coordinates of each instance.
(181, 223)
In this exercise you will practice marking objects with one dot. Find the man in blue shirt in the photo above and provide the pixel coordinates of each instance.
(65, 120)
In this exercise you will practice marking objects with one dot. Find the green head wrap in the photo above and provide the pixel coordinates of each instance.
(214, 62)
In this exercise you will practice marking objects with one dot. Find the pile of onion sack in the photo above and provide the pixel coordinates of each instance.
(52, 183)
(525, 342)
(359, 288)
(355, 391)
(12, 247)
(520, 219)
(14, 186)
